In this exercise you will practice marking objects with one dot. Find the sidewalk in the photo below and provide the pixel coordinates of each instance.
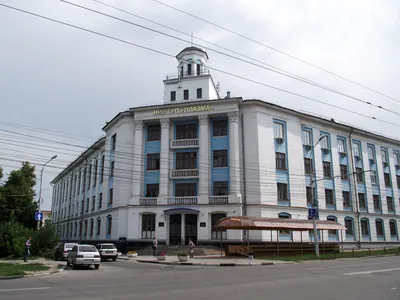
(205, 261)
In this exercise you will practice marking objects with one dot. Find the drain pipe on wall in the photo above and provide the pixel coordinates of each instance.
(355, 190)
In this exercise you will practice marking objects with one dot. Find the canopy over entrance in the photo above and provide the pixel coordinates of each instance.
(258, 223)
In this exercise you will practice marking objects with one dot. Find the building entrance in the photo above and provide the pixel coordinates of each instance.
(175, 229)
(190, 228)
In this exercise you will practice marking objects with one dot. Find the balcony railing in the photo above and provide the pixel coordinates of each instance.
(218, 200)
(190, 200)
(185, 74)
(145, 201)
(185, 173)
(179, 144)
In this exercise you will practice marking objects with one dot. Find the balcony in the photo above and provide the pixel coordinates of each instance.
(189, 200)
(148, 201)
(182, 144)
(218, 200)
(184, 173)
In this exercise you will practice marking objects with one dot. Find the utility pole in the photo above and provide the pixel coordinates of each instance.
(40, 188)
(314, 199)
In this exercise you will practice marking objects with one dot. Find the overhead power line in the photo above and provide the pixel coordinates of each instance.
(284, 73)
(211, 68)
(276, 50)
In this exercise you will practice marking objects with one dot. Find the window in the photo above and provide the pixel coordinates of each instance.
(185, 94)
(346, 199)
(96, 166)
(185, 189)
(308, 166)
(112, 169)
(109, 224)
(309, 195)
(154, 132)
(91, 226)
(390, 204)
(87, 204)
(398, 181)
(325, 142)
(198, 69)
(217, 234)
(173, 95)
(220, 188)
(102, 169)
(153, 161)
(86, 227)
(327, 169)
(393, 228)
(379, 228)
(341, 147)
(284, 216)
(220, 158)
(374, 179)
(359, 175)
(377, 202)
(152, 190)
(356, 149)
(89, 176)
(348, 223)
(93, 202)
(84, 179)
(181, 73)
(364, 227)
(278, 131)
(189, 69)
(371, 153)
(220, 128)
(282, 192)
(186, 131)
(100, 199)
(148, 226)
(384, 157)
(306, 138)
(199, 93)
(114, 141)
(79, 182)
(186, 160)
(343, 172)
(329, 197)
(98, 226)
(396, 158)
(111, 196)
(386, 176)
(332, 219)
(361, 200)
(280, 159)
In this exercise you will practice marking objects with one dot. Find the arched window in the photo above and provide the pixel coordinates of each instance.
(109, 225)
(148, 226)
(365, 232)
(332, 234)
(393, 230)
(380, 229)
(198, 67)
(217, 234)
(75, 228)
(285, 234)
(98, 228)
(86, 227)
(91, 226)
(189, 66)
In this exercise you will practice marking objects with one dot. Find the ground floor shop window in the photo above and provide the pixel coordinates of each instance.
(148, 226)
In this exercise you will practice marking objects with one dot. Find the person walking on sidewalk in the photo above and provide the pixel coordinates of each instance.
(191, 248)
(155, 245)
(27, 249)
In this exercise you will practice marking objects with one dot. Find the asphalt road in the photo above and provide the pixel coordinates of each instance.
(366, 279)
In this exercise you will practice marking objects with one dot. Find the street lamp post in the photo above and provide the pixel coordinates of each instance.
(314, 200)
(40, 188)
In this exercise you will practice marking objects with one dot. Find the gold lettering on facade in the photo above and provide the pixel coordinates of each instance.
(190, 109)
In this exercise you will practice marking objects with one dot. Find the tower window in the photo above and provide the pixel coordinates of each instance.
(198, 69)
(173, 96)
(189, 69)
(199, 93)
(185, 94)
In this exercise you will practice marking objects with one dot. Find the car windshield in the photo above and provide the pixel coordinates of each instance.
(108, 247)
(70, 246)
(87, 249)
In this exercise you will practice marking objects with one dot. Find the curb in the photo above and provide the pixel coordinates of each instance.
(205, 264)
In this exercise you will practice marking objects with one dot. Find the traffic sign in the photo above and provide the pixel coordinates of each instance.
(38, 216)
(312, 212)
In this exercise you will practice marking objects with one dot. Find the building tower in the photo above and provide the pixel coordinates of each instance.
(193, 80)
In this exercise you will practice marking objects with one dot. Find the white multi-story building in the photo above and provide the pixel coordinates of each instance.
(173, 170)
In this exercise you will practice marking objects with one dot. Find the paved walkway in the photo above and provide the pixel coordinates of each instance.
(206, 261)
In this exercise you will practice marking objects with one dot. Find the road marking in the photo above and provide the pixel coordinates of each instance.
(373, 271)
(359, 265)
(26, 289)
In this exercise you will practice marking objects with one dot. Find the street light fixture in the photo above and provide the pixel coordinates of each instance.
(40, 188)
(314, 200)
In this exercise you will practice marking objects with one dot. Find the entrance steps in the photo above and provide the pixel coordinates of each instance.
(174, 250)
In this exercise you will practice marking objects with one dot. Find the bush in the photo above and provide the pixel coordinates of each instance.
(182, 254)
(44, 241)
(13, 236)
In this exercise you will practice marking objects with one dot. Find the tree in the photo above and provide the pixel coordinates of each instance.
(17, 202)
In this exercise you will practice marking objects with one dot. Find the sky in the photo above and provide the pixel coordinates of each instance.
(59, 85)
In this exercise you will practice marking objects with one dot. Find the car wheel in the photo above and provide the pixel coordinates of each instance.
(68, 264)
(96, 267)
(114, 259)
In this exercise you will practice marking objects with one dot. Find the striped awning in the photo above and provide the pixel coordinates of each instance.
(257, 223)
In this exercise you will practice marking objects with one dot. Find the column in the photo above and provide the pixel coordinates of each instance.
(234, 165)
(204, 161)
(164, 157)
(137, 160)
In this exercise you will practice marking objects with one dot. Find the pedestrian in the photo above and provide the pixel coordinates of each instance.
(191, 248)
(27, 248)
(155, 245)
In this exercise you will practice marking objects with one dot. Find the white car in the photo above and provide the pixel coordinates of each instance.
(107, 251)
(84, 255)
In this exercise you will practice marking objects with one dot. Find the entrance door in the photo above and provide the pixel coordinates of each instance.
(175, 229)
(190, 228)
